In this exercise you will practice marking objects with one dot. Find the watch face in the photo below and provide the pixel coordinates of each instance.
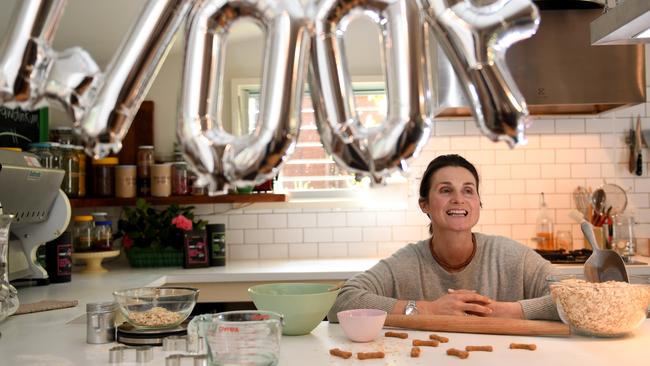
(410, 308)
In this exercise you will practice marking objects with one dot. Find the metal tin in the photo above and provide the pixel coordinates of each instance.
(100, 322)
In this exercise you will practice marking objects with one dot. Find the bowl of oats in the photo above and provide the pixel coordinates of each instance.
(156, 307)
(605, 309)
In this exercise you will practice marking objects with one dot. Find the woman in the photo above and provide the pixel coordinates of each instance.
(456, 271)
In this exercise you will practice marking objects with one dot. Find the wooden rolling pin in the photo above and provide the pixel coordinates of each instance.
(477, 324)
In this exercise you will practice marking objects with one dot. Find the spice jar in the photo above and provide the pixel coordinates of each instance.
(161, 180)
(125, 181)
(70, 164)
(180, 185)
(104, 177)
(102, 236)
(82, 233)
(81, 155)
(55, 150)
(145, 160)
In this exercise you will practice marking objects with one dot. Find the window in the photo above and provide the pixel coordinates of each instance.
(310, 169)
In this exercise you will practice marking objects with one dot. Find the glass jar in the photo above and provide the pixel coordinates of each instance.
(145, 160)
(125, 181)
(102, 236)
(62, 135)
(81, 155)
(104, 177)
(55, 149)
(82, 233)
(180, 181)
(42, 151)
(70, 164)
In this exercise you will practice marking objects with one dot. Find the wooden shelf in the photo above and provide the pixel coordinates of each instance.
(180, 200)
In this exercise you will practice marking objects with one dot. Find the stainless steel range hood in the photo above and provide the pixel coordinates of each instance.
(557, 70)
(622, 24)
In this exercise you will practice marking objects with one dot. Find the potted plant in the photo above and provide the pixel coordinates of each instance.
(154, 238)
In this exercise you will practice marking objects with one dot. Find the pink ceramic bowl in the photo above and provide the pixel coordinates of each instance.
(362, 325)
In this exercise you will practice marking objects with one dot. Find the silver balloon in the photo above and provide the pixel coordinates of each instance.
(219, 158)
(26, 54)
(475, 39)
(72, 77)
(375, 151)
(129, 75)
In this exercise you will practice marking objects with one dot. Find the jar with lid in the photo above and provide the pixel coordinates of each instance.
(82, 169)
(145, 160)
(180, 184)
(70, 164)
(62, 135)
(102, 236)
(104, 177)
(55, 150)
(82, 233)
(42, 151)
(544, 226)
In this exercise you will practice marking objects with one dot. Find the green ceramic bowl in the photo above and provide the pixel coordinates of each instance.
(303, 305)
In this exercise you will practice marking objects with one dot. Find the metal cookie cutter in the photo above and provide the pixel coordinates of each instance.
(142, 354)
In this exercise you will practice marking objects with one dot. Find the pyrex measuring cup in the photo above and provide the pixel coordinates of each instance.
(250, 338)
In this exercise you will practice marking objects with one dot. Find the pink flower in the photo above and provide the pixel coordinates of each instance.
(127, 242)
(182, 223)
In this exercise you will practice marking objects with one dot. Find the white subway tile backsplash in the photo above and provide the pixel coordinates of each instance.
(315, 235)
(526, 171)
(386, 249)
(407, 233)
(495, 202)
(568, 185)
(465, 143)
(301, 220)
(510, 217)
(303, 250)
(585, 141)
(494, 172)
(391, 218)
(601, 156)
(541, 126)
(569, 126)
(346, 234)
(288, 235)
(274, 251)
(362, 250)
(243, 252)
(536, 186)
(540, 156)
(511, 186)
(234, 236)
(331, 219)
(585, 170)
(242, 221)
(332, 250)
(274, 221)
(554, 141)
(377, 234)
(258, 236)
(570, 156)
(448, 128)
(510, 157)
(364, 218)
(556, 170)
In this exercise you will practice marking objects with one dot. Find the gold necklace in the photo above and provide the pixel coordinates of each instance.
(451, 267)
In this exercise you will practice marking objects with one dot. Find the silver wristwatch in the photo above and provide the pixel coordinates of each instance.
(411, 308)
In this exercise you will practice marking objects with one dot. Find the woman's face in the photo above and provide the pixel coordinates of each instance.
(453, 202)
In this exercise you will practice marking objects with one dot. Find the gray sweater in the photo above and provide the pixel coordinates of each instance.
(502, 269)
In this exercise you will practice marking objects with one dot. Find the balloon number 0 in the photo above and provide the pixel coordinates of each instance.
(298, 40)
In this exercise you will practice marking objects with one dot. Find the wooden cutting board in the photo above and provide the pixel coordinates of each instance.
(477, 324)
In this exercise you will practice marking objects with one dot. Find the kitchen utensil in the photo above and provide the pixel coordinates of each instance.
(631, 142)
(248, 337)
(303, 305)
(615, 197)
(156, 307)
(361, 325)
(581, 199)
(598, 202)
(100, 322)
(477, 324)
(603, 264)
(638, 145)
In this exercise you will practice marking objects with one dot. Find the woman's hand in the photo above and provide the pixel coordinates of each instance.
(458, 302)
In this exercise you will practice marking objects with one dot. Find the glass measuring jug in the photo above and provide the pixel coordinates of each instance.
(250, 337)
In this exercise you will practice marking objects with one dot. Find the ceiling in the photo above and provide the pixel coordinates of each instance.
(98, 26)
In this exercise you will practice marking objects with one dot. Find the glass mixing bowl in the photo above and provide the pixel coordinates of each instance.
(607, 309)
(156, 307)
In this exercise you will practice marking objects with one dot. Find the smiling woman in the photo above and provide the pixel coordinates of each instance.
(455, 271)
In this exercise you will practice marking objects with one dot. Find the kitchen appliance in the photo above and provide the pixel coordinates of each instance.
(626, 23)
(557, 70)
(132, 336)
(41, 211)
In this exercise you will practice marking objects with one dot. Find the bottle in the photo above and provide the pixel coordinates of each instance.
(58, 258)
(196, 251)
(544, 225)
(216, 235)
(70, 164)
(83, 233)
(102, 236)
(145, 160)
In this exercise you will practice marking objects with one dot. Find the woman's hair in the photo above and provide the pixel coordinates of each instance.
(438, 163)
(444, 161)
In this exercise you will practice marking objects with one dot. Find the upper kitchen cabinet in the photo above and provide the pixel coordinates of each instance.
(558, 70)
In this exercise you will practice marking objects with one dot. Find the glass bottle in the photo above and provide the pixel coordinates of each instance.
(104, 176)
(42, 151)
(102, 236)
(70, 164)
(82, 233)
(81, 155)
(145, 160)
(180, 184)
(544, 225)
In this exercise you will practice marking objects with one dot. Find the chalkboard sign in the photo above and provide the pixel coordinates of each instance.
(19, 128)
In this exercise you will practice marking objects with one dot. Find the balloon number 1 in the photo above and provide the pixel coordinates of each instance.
(103, 105)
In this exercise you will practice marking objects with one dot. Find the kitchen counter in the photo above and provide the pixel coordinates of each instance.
(58, 337)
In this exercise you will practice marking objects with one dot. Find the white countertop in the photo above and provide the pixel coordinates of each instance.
(58, 337)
